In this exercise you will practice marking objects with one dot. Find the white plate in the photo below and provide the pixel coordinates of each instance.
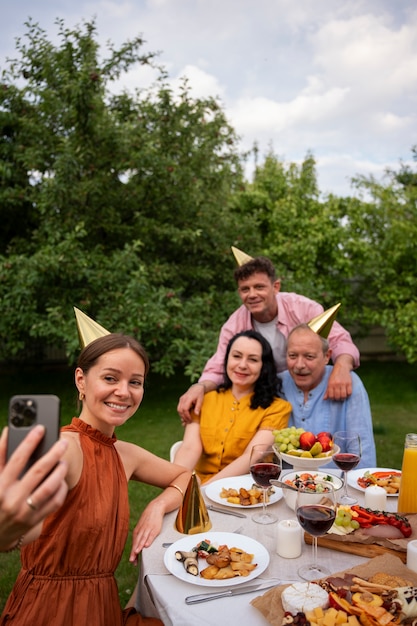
(246, 481)
(261, 557)
(353, 475)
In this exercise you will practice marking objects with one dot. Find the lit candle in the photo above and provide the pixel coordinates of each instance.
(375, 498)
(412, 555)
(289, 538)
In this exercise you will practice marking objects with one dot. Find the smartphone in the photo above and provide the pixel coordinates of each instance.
(25, 412)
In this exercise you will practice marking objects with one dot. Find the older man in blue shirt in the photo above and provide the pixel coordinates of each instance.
(304, 384)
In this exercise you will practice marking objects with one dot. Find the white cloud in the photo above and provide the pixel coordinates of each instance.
(203, 84)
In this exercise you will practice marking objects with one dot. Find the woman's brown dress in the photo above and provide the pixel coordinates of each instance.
(67, 575)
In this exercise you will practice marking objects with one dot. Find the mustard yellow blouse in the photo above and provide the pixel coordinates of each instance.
(227, 425)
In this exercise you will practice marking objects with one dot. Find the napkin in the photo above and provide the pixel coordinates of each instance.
(270, 605)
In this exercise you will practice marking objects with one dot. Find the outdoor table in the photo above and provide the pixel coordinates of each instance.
(162, 595)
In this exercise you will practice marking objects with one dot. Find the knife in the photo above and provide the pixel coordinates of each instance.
(225, 511)
(205, 597)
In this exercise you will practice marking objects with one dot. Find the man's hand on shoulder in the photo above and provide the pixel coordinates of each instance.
(192, 400)
(340, 380)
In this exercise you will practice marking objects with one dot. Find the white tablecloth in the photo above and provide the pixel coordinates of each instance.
(163, 595)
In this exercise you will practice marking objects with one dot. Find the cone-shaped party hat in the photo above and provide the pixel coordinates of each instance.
(88, 329)
(192, 516)
(321, 324)
(241, 257)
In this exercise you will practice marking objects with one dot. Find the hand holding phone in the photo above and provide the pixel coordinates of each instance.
(43, 485)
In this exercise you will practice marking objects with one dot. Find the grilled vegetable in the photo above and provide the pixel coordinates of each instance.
(189, 560)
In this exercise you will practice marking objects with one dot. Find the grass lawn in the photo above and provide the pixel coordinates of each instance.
(391, 386)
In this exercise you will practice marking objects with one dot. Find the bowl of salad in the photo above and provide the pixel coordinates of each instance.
(307, 479)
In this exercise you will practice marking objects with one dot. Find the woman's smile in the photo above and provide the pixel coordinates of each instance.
(117, 407)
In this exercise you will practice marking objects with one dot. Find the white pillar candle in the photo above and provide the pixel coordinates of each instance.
(375, 498)
(412, 555)
(289, 536)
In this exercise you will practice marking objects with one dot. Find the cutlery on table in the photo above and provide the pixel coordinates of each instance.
(237, 591)
(225, 511)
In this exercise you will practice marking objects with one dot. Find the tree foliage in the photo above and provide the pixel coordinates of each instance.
(383, 237)
(116, 203)
(301, 233)
(126, 205)
(357, 250)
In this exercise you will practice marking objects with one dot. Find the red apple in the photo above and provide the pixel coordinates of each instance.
(326, 441)
(307, 440)
(325, 432)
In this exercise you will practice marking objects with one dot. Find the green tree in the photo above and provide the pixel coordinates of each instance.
(357, 250)
(300, 232)
(117, 203)
(382, 244)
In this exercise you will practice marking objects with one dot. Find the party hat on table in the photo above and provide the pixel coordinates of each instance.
(321, 324)
(192, 516)
(88, 329)
(241, 257)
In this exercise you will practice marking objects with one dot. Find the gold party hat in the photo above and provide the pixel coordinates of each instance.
(321, 324)
(88, 329)
(241, 257)
(192, 516)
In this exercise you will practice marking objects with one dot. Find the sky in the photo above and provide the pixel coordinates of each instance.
(334, 78)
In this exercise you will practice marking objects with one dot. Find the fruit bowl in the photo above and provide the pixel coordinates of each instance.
(306, 463)
(290, 495)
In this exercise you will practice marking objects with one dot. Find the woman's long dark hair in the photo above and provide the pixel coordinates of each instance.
(267, 386)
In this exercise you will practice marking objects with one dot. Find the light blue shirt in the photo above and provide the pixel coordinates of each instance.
(317, 415)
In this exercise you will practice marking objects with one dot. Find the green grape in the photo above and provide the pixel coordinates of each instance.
(339, 521)
(346, 521)
(283, 447)
(355, 524)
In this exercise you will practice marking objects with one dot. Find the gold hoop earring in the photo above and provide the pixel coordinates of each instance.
(81, 396)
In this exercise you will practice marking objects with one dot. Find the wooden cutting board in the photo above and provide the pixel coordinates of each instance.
(368, 550)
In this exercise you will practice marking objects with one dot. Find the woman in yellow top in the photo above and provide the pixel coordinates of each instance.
(242, 412)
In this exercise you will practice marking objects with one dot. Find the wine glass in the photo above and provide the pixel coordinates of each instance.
(316, 511)
(265, 465)
(347, 458)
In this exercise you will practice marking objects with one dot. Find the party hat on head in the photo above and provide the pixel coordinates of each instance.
(88, 329)
(241, 257)
(192, 516)
(321, 324)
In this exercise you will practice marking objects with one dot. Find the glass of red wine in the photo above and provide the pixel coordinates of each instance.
(346, 458)
(316, 511)
(265, 465)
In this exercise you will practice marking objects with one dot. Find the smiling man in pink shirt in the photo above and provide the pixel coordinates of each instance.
(274, 314)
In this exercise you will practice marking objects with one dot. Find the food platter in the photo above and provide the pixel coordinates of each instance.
(176, 568)
(352, 477)
(246, 481)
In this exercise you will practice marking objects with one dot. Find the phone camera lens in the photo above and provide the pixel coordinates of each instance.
(23, 413)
